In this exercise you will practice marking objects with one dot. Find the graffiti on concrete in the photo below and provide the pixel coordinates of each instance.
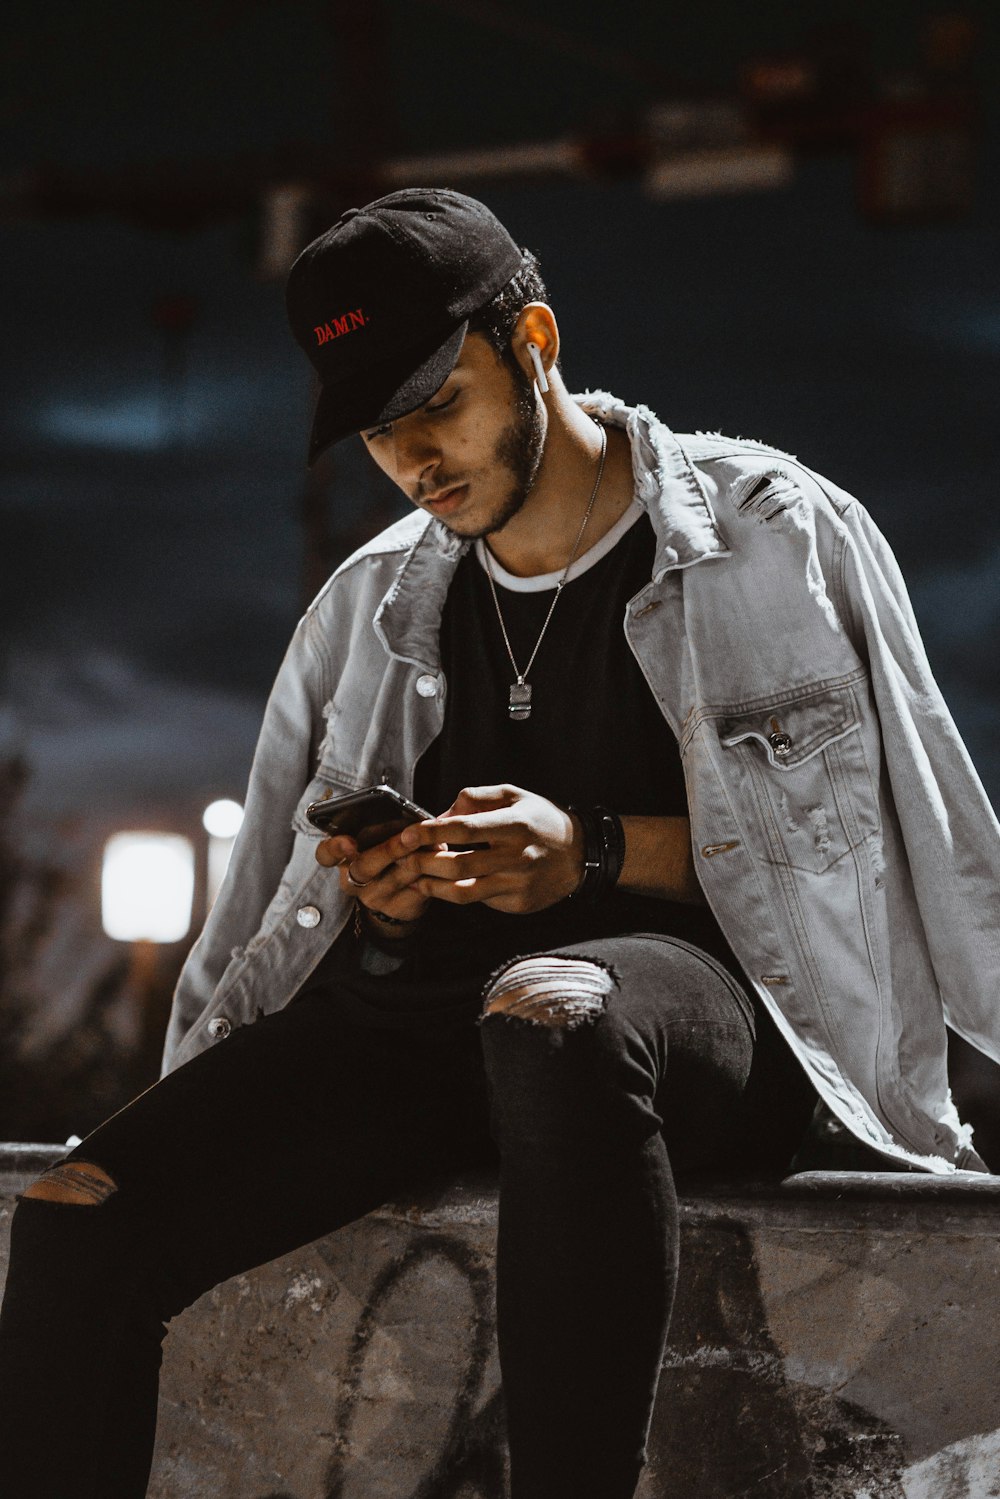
(469, 1461)
(759, 1395)
(722, 1372)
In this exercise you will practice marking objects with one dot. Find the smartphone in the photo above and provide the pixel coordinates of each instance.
(369, 817)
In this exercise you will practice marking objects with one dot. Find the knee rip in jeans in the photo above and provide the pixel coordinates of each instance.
(79, 1182)
(562, 992)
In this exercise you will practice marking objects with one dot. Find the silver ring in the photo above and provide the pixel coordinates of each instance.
(357, 884)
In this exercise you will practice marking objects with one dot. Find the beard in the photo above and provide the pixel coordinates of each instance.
(518, 451)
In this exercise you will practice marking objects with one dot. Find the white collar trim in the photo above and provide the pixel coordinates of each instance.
(541, 581)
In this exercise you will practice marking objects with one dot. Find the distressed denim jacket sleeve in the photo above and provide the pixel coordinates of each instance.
(950, 829)
(286, 750)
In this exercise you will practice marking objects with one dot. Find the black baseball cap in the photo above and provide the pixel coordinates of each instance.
(381, 303)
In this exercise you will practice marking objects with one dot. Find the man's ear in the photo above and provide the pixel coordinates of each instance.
(536, 324)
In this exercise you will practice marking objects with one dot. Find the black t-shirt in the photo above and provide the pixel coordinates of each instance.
(594, 735)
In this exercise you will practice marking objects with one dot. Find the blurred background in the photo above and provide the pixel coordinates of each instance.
(776, 221)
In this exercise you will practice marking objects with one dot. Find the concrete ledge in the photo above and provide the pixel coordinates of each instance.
(834, 1337)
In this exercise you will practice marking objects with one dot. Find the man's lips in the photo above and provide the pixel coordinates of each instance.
(448, 500)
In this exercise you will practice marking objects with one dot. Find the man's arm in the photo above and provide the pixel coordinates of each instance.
(533, 858)
(282, 766)
(950, 830)
(658, 859)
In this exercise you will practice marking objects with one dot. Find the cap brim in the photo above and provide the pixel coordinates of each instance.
(388, 391)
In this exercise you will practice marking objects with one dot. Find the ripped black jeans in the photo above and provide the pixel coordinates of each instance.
(314, 1115)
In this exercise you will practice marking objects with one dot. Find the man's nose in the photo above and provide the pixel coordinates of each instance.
(417, 457)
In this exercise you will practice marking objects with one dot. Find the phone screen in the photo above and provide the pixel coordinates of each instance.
(372, 816)
(369, 817)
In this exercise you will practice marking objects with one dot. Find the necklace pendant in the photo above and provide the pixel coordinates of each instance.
(519, 705)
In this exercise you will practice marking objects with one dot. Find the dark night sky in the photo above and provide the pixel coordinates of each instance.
(152, 554)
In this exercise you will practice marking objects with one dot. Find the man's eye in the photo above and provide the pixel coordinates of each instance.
(431, 410)
(444, 404)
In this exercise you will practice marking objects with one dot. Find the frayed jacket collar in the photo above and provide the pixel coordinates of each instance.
(665, 483)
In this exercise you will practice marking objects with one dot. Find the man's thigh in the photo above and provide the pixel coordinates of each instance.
(282, 1132)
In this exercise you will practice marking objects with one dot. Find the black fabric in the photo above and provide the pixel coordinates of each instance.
(304, 1120)
(595, 735)
(312, 1115)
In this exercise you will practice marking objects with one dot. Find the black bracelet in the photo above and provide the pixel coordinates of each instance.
(590, 885)
(370, 934)
(613, 837)
(603, 852)
(391, 920)
(379, 916)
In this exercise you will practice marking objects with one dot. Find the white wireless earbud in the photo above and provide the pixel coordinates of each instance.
(536, 360)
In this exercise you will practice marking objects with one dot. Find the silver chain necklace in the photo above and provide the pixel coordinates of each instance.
(519, 704)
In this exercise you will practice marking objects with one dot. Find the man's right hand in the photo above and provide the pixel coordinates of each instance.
(386, 870)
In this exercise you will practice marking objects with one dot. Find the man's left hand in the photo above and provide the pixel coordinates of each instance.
(534, 856)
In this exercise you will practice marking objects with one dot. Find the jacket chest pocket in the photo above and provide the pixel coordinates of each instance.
(801, 765)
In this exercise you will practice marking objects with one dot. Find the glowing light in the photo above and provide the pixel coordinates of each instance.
(147, 887)
(223, 819)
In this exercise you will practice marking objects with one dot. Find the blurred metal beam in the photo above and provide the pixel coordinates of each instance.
(702, 174)
(557, 158)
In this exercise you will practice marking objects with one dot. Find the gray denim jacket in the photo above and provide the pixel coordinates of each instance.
(840, 832)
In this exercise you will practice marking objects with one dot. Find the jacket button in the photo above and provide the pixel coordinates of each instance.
(427, 685)
(308, 916)
(780, 743)
(219, 1027)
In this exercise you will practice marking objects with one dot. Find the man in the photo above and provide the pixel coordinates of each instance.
(706, 845)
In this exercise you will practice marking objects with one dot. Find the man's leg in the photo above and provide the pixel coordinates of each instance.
(604, 1061)
(277, 1135)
